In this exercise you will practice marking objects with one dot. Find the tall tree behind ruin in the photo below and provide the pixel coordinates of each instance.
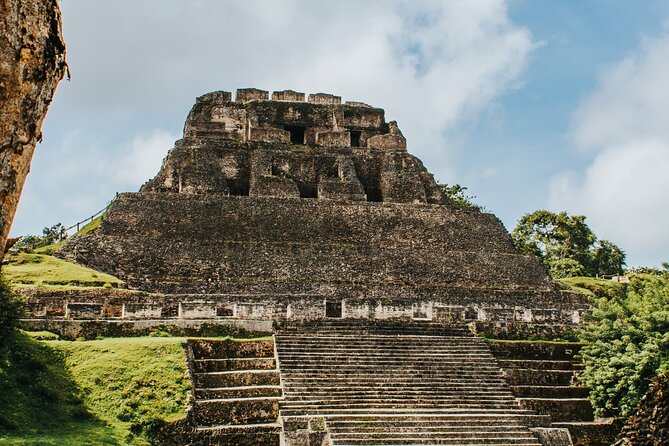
(32, 62)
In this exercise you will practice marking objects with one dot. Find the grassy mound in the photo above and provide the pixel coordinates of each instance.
(107, 392)
(40, 402)
(591, 285)
(48, 271)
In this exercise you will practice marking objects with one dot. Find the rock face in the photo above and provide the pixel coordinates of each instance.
(649, 425)
(32, 62)
(290, 210)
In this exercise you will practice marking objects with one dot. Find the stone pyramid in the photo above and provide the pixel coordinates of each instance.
(287, 209)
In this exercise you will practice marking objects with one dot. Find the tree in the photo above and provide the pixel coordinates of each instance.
(32, 62)
(626, 345)
(566, 244)
(608, 259)
(458, 195)
(54, 234)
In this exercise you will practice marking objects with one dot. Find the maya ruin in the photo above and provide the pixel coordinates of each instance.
(306, 217)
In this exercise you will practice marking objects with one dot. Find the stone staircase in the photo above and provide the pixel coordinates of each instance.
(236, 390)
(544, 378)
(409, 384)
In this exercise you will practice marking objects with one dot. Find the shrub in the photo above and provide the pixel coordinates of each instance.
(12, 308)
(627, 344)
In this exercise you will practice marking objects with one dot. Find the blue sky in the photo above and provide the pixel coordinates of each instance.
(529, 103)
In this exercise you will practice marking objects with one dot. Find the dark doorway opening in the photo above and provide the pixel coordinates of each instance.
(296, 134)
(355, 138)
(333, 309)
(374, 195)
(238, 187)
(171, 310)
(307, 190)
(225, 312)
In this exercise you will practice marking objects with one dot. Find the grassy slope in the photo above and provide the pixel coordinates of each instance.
(591, 285)
(127, 385)
(48, 271)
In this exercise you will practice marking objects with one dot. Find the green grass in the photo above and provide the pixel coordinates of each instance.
(92, 226)
(50, 249)
(110, 391)
(591, 285)
(48, 271)
(40, 402)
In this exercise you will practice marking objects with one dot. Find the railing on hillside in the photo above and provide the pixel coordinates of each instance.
(80, 224)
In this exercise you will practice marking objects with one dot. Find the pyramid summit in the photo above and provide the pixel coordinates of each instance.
(287, 210)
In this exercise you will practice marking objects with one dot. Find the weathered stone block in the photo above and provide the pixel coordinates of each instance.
(333, 139)
(245, 95)
(81, 310)
(269, 134)
(387, 142)
(288, 96)
(141, 311)
(197, 310)
(323, 98)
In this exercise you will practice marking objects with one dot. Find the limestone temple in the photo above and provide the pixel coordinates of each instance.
(310, 220)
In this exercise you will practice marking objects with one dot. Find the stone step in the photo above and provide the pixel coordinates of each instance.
(407, 411)
(399, 398)
(563, 351)
(488, 418)
(268, 434)
(537, 364)
(461, 371)
(237, 392)
(222, 365)
(308, 339)
(414, 352)
(236, 379)
(550, 391)
(440, 442)
(229, 349)
(328, 381)
(235, 411)
(328, 360)
(434, 434)
(309, 407)
(601, 432)
(393, 392)
(560, 409)
(538, 377)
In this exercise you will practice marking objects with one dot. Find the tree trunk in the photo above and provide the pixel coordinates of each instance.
(32, 62)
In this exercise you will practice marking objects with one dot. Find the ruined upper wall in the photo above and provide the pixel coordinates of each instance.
(320, 121)
(287, 147)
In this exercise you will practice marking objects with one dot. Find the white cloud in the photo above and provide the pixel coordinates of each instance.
(624, 190)
(433, 65)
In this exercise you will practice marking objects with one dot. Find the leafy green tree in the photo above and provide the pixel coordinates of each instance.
(458, 195)
(566, 244)
(626, 344)
(608, 259)
(49, 236)
(54, 234)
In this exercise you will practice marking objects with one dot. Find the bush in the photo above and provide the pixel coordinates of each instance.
(627, 344)
(12, 308)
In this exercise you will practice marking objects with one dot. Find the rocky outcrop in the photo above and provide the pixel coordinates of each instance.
(32, 62)
(649, 425)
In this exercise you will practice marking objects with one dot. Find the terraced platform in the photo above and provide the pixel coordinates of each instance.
(421, 384)
(236, 389)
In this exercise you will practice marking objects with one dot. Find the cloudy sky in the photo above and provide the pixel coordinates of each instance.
(531, 104)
